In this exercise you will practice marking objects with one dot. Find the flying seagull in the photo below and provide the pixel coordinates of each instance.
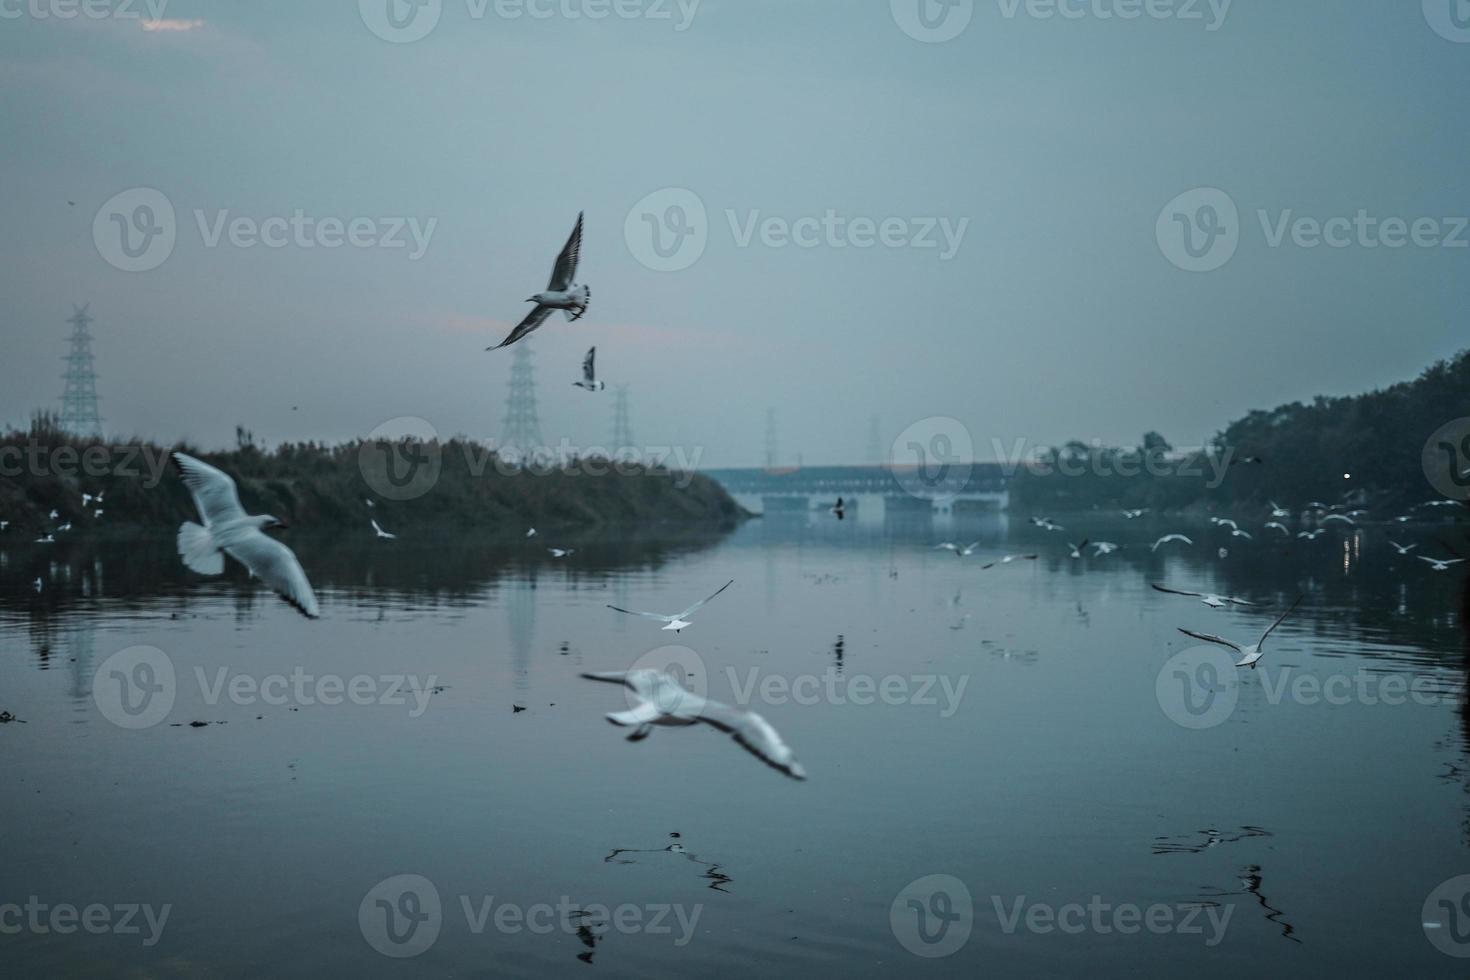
(662, 700)
(1338, 517)
(1077, 548)
(37, 584)
(1440, 564)
(1238, 533)
(1046, 524)
(1170, 537)
(531, 533)
(1007, 560)
(1103, 548)
(379, 531)
(1277, 510)
(1311, 535)
(1278, 526)
(676, 622)
(589, 373)
(560, 293)
(959, 552)
(1225, 522)
(1133, 515)
(1211, 599)
(1402, 549)
(228, 530)
(838, 509)
(46, 539)
(1249, 654)
(561, 552)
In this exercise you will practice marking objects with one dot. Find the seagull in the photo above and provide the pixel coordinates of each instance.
(561, 552)
(46, 539)
(1225, 522)
(838, 509)
(86, 499)
(1211, 599)
(1339, 517)
(958, 551)
(662, 700)
(97, 513)
(63, 527)
(381, 533)
(1238, 533)
(53, 515)
(1403, 519)
(4, 525)
(589, 373)
(1438, 503)
(1316, 505)
(1277, 510)
(1402, 549)
(1077, 548)
(1103, 548)
(1440, 564)
(228, 530)
(560, 293)
(1008, 559)
(1170, 537)
(1250, 654)
(676, 622)
(1278, 526)
(531, 533)
(1133, 515)
(36, 584)
(1311, 535)
(370, 504)
(1046, 524)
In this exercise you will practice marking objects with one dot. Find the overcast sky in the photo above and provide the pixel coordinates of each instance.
(1055, 306)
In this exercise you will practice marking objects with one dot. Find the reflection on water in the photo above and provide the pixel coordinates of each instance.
(1050, 774)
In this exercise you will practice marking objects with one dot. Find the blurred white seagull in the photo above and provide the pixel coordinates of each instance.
(1170, 537)
(662, 700)
(559, 294)
(228, 530)
(589, 373)
(379, 531)
(676, 622)
(1249, 654)
(1211, 599)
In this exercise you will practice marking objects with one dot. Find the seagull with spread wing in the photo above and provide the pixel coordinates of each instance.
(589, 380)
(559, 294)
(228, 530)
(676, 622)
(1211, 599)
(1170, 537)
(1440, 564)
(1248, 654)
(662, 700)
(378, 530)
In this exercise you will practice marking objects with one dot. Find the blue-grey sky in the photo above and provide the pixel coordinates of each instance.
(1053, 142)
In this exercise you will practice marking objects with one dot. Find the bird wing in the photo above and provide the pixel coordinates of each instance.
(276, 565)
(646, 615)
(589, 368)
(1212, 638)
(755, 734)
(533, 320)
(1160, 588)
(705, 599)
(213, 491)
(1279, 620)
(566, 263)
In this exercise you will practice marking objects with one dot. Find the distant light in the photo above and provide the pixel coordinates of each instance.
(1347, 476)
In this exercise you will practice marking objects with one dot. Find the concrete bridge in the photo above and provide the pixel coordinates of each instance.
(986, 486)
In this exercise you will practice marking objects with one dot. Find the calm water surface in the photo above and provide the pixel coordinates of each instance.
(1008, 728)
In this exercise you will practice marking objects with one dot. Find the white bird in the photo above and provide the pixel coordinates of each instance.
(531, 533)
(1103, 548)
(380, 532)
(4, 525)
(86, 499)
(1008, 559)
(1402, 519)
(37, 584)
(1402, 549)
(589, 373)
(97, 496)
(1133, 515)
(560, 293)
(1077, 549)
(63, 527)
(1339, 517)
(1170, 537)
(1225, 522)
(662, 700)
(1311, 535)
(1440, 564)
(1249, 654)
(1438, 503)
(1278, 526)
(1316, 505)
(676, 622)
(370, 504)
(53, 515)
(964, 552)
(1238, 533)
(1277, 510)
(561, 552)
(97, 513)
(46, 539)
(1211, 599)
(228, 530)
(1046, 524)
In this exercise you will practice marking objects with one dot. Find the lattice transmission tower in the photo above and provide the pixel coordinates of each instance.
(522, 429)
(773, 454)
(79, 413)
(622, 427)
